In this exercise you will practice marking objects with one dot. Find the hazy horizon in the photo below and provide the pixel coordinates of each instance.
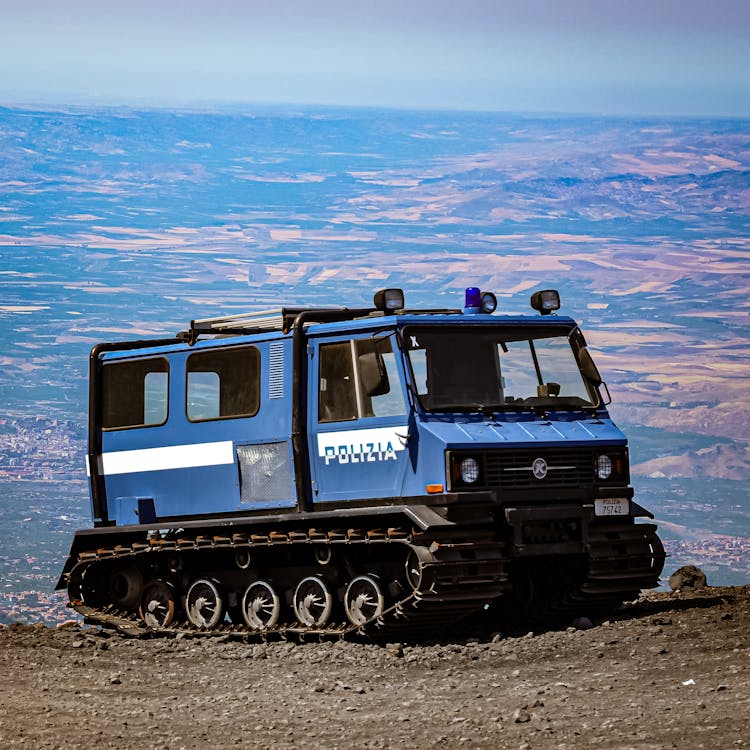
(582, 57)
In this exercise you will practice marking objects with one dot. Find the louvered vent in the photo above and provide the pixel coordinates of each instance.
(276, 370)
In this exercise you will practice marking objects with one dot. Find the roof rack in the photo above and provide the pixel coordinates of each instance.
(282, 320)
(255, 322)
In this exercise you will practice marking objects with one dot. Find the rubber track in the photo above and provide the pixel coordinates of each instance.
(623, 560)
(458, 579)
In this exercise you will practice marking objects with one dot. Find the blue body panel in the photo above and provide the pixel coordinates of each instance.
(189, 469)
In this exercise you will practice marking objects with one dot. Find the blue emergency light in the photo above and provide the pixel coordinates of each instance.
(473, 300)
(479, 302)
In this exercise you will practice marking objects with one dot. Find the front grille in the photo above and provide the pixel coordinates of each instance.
(513, 469)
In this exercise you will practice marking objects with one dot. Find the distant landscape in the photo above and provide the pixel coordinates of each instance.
(121, 223)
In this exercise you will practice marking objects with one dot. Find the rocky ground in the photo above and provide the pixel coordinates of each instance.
(670, 671)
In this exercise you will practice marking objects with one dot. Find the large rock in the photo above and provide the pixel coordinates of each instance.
(687, 577)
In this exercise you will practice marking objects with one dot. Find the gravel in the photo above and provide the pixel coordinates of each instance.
(671, 670)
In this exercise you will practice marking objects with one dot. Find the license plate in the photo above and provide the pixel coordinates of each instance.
(612, 506)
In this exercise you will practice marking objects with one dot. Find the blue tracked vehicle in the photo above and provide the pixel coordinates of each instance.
(383, 471)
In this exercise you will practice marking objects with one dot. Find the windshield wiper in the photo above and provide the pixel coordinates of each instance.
(488, 409)
(538, 405)
(519, 407)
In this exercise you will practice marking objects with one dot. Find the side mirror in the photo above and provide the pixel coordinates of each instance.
(588, 368)
(372, 374)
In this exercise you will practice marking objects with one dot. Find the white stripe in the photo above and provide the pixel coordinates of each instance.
(168, 457)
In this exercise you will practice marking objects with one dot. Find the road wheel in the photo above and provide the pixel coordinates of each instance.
(204, 604)
(313, 602)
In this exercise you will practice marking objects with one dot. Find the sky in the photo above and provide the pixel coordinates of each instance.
(623, 57)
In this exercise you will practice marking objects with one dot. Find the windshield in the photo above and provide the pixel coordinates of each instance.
(501, 369)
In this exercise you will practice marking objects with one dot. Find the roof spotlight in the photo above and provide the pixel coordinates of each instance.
(546, 301)
(389, 300)
(489, 302)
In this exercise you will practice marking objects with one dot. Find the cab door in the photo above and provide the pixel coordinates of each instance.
(358, 419)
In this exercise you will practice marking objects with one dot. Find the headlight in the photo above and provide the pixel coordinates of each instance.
(603, 466)
(469, 470)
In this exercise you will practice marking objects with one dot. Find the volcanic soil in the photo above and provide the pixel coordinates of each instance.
(668, 671)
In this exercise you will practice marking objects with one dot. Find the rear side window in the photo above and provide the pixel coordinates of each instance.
(135, 394)
(223, 384)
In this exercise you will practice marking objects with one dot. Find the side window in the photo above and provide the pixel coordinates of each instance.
(203, 395)
(358, 379)
(337, 399)
(135, 394)
(222, 384)
(379, 382)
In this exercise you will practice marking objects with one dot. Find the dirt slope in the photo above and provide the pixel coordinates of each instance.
(671, 671)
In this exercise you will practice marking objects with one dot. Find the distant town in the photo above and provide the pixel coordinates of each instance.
(49, 608)
(713, 552)
(41, 449)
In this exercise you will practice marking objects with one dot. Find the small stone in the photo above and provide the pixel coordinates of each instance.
(582, 623)
(521, 716)
(661, 621)
(394, 649)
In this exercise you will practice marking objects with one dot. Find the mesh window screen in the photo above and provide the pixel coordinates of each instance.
(265, 472)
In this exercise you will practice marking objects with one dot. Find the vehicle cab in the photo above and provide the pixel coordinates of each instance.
(443, 403)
